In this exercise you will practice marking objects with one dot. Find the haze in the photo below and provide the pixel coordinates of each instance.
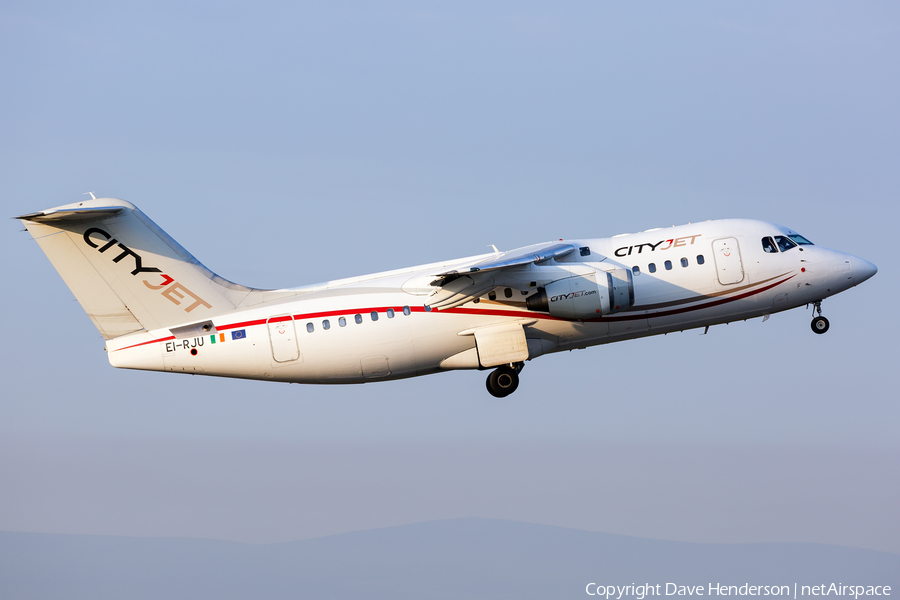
(287, 143)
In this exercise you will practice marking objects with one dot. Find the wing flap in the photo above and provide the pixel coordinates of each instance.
(459, 291)
(536, 257)
(454, 288)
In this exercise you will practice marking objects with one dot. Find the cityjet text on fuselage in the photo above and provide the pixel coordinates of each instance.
(670, 243)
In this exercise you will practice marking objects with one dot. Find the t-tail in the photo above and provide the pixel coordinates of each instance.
(127, 273)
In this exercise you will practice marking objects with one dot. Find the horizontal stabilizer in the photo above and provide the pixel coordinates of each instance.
(73, 215)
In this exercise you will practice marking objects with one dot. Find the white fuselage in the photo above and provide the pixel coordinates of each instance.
(380, 326)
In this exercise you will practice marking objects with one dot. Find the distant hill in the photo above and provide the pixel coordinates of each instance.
(458, 558)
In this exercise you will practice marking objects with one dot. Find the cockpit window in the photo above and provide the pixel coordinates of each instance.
(769, 245)
(784, 244)
(800, 239)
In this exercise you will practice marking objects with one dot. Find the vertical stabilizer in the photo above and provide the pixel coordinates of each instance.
(126, 272)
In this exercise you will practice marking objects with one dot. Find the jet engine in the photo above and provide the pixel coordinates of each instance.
(585, 296)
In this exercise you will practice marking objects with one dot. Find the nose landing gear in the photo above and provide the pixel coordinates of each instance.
(504, 380)
(819, 323)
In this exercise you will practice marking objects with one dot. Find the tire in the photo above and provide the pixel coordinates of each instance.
(819, 325)
(502, 382)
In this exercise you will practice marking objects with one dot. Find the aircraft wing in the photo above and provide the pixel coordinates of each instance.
(457, 287)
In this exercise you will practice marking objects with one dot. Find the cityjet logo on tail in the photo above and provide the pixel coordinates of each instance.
(171, 289)
(672, 243)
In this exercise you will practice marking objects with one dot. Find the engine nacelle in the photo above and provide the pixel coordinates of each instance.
(621, 286)
(585, 296)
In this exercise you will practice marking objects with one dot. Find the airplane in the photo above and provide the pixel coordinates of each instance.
(160, 309)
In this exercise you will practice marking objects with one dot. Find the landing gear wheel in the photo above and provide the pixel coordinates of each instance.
(502, 382)
(819, 324)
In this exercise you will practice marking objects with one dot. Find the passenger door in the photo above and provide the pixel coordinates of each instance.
(283, 337)
(728, 261)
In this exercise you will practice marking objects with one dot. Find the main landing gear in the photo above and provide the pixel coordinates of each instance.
(504, 380)
(819, 324)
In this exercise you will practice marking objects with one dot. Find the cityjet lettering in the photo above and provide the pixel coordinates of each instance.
(126, 251)
(571, 295)
(173, 293)
(672, 243)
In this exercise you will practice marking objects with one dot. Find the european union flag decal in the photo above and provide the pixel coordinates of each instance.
(239, 334)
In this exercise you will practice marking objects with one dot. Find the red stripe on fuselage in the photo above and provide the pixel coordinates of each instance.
(678, 311)
(483, 312)
(165, 339)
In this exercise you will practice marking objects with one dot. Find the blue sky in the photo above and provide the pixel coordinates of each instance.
(289, 143)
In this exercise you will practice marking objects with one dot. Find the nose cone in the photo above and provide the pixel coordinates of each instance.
(862, 269)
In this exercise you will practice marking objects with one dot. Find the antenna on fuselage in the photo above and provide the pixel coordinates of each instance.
(93, 197)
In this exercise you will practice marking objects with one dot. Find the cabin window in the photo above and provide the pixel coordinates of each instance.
(406, 310)
(310, 327)
(768, 245)
(636, 270)
(784, 243)
(700, 259)
(652, 267)
(358, 319)
(342, 322)
(684, 262)
(507, 292)
(492, 296)
(585, 251)
(326, 324)
(668, 265)
(390, 313)
(374, 315)
(476, 300)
